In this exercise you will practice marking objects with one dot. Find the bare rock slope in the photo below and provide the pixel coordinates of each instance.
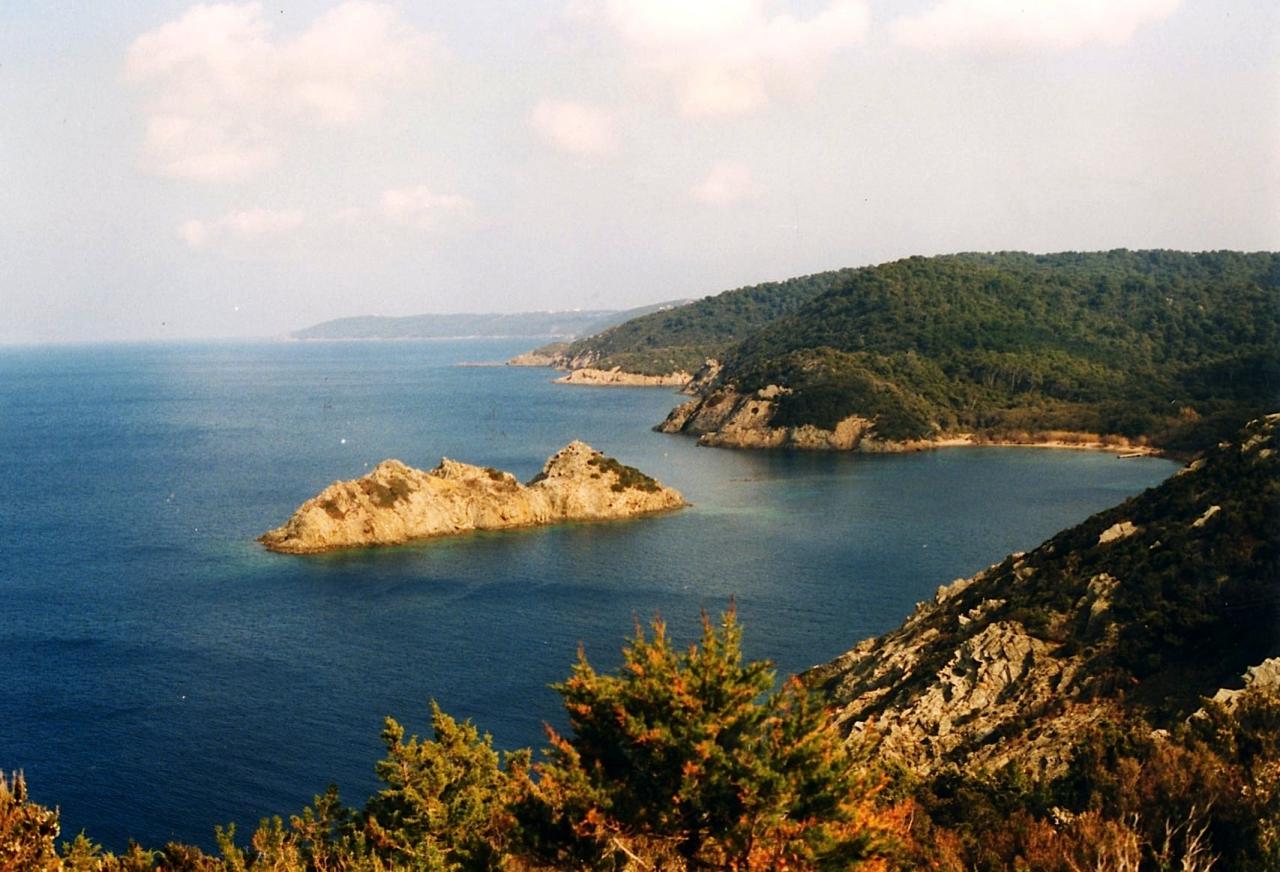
(618, 377)
(725, 418)
(1147, 608)
(396, 503)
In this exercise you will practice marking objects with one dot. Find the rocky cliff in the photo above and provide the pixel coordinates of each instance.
(1144, 609)
(396, 503)
(726, 418)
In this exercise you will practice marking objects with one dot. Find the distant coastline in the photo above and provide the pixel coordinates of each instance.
(468, 338)
(563, 324)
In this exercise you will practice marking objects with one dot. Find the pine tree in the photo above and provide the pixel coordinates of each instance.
(443, 807)
(27, 830)
(685, 760)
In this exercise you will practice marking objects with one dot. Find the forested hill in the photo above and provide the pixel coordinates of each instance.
(683, 337)
(1172, 346)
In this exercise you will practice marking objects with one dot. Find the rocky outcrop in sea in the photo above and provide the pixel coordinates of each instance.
(396, 503)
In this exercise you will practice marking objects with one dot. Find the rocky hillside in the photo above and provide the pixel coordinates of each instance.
(724, 417)
(1166, 348)
(1142, 610)
(396, 503)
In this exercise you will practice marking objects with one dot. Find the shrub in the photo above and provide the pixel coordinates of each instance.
(686, 756)
(625, 477)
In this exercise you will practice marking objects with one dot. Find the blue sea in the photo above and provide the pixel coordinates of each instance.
(162, 673)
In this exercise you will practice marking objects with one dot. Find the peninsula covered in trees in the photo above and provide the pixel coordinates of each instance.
(1180, 348)
(682, 338)
(1165, 348)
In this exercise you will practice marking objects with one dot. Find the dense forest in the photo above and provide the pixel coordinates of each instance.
(1175, 347)
(683, 337)
(694, 758)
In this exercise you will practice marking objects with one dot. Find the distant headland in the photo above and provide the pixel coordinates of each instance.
(564, 324)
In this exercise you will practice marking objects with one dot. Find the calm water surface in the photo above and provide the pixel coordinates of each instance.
(162, 673)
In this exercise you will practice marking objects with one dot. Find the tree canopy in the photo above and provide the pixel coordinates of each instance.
(1176, 347)
(683, 337)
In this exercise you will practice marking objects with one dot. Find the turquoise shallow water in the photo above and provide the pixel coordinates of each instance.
(163, 673)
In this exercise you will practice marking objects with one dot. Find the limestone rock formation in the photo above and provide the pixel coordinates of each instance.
(396, 503)
(1262, 678)
(548, 355)
(704, 378)
(950, 683)
(617, 377)
(725, 418)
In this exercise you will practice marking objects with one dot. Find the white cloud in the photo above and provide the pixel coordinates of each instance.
(1016, 25)
(422, 208)
(194, 233)
(728, 183)
(416, 207)
(728, 57)
(247, 226)
(224, 96)
(574, 127)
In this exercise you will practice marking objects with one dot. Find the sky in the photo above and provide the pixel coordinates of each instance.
(174, 171)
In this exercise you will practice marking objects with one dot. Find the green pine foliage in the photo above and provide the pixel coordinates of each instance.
(444, 800)
(683, 337)
(691, 758)
(1174, 347)
(624, 477)
(687, 756)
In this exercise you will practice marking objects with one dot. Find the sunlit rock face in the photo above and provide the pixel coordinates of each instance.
(396, 503)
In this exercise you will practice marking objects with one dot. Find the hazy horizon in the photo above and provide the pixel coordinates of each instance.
(180, 171)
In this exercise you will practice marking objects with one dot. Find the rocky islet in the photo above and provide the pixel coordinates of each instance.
(396, 503)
